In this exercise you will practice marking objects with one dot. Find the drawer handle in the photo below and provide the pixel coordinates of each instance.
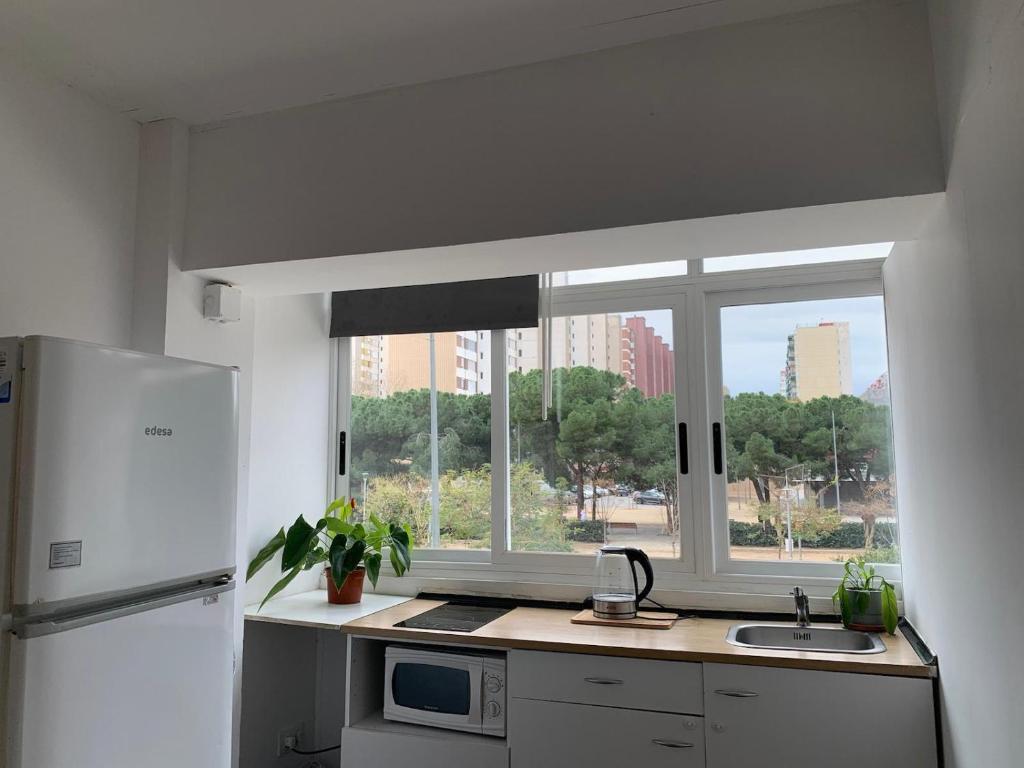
(736, 694)
(672, 744)
(603, 680)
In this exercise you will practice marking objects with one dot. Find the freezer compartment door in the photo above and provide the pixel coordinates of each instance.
(149, 689)
(127, 473)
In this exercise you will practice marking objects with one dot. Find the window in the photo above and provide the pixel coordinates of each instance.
(793, 258)
(628, 272)
(602, 467)
(808, 474)
(643, 375)
(419, 439)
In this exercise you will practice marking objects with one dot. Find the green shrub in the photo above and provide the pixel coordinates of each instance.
(537, 521)
(847, 535)
(882, 555)
(464, 516)
(751, 534)
(590, 531)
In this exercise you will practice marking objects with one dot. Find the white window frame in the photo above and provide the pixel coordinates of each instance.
(612, 298)
(704, 572)
(715, 301)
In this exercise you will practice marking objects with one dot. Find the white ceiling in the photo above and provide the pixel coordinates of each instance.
(203, 60)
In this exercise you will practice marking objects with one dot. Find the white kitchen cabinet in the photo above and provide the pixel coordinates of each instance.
(546, 734)
(761, 716)
(608, 681)
(378, 743)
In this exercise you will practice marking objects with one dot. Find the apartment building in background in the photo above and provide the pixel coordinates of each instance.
(368, 379)
(383, 365)
(877, 392)
(818, 362)
(652, 361)
(626, 346)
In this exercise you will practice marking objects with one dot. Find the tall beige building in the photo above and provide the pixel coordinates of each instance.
(457, 358)
(818, 362)
(368, 377)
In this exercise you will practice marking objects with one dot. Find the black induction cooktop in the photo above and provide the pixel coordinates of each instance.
(452, 617)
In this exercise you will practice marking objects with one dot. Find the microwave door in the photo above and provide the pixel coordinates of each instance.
(435, 690)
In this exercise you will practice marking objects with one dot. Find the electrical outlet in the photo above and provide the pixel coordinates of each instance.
(288, 739)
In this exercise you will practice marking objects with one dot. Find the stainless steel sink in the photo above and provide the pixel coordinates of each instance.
(789, 637)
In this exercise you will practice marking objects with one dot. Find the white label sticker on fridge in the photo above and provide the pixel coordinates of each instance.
(65, 554)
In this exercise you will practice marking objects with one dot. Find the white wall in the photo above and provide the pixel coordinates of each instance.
(68, 172)
(288, 477)
(824, 107)
(291, 425)
(190, 336)
(955, 331)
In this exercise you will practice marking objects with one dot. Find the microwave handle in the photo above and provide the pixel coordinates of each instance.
(389, 689)
(476, 687)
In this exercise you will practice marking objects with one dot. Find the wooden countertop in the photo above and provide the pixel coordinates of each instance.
(546, 629)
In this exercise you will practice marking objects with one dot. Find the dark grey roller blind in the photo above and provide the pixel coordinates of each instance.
(505, 302)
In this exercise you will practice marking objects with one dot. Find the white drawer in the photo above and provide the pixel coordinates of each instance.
(391, 744)
(609, 681)
(546, 734)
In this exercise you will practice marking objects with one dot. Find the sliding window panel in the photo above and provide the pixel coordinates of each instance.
(603, 465)
(419, 435)
(800, 443)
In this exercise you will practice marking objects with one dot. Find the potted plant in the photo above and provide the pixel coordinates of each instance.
(866, 600)
(349, 551)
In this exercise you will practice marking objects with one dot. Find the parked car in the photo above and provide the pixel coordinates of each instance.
(546, 489)
(587, 492)
(623, 490)
(650, 496)
(603, 491)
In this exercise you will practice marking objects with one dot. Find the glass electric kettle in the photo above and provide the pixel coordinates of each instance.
(617, 594)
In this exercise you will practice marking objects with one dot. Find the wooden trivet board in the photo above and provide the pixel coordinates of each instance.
(643, 620)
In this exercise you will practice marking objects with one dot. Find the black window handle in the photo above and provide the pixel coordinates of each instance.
(684, 451)
(341, 453)
(716, 444)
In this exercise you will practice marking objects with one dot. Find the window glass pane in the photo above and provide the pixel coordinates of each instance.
(602, 468)
(794, 258)
(807, 400)
(393, 440)
(628, 272)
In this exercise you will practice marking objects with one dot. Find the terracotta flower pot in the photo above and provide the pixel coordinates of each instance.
(351, 591)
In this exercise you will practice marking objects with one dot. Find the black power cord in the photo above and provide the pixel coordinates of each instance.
(314, 751)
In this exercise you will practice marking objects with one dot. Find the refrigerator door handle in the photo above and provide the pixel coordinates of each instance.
(53, 625)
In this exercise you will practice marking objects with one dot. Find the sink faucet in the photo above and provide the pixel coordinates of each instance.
(803, 608)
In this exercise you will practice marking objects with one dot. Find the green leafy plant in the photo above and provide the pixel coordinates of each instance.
(853, 593)
(338, 542)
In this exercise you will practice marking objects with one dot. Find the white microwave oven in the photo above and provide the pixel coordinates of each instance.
(459, 691)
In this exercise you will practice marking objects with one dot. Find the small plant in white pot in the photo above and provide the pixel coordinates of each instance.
(865, 599)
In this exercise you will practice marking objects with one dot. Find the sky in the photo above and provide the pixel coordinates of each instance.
(728, 263)
(754, 340)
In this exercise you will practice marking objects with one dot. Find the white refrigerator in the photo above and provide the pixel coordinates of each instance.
(117, 539)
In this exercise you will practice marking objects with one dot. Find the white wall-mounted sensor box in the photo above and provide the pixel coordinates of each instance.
(222, 303)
